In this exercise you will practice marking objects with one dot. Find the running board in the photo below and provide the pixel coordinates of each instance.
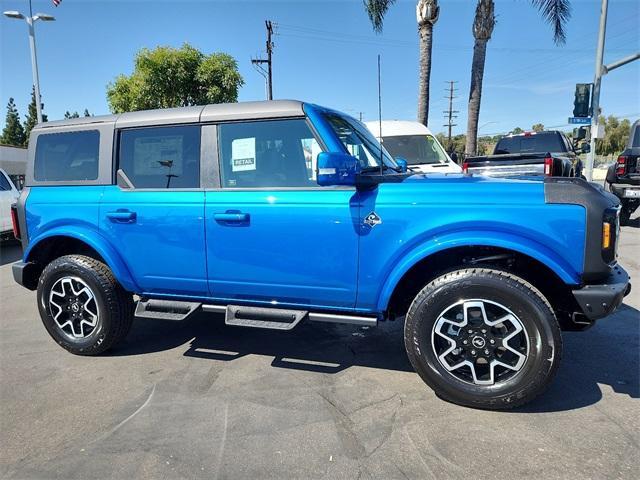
(244, 316)
(165, 309)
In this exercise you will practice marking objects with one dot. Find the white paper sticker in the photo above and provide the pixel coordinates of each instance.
(243, 154)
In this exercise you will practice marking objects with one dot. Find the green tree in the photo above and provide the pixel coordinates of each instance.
(538, 127)
(13, 133)
(86, 113)
(68, 114)
(555, 12)
(175, 77)
(427, 12)
(32, 116)
(616, 135)
(517, 131)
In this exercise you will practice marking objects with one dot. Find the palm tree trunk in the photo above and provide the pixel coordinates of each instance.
(475, 94)
(426, 40)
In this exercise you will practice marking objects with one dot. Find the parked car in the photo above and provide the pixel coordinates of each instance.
(415, 143)
(623, 177)
(548, 153)
(8, 195)
(215, 209)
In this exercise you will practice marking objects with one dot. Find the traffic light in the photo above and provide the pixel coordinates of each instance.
(582, 100)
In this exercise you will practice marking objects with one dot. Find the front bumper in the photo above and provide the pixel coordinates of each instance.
(24, 274)
(602, 299)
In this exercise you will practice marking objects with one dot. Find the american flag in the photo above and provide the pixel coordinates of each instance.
(56, 2)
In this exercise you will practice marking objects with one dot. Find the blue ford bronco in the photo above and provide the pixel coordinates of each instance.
(273, 213)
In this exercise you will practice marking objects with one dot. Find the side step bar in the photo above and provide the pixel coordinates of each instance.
(165, 309)
(244, 316)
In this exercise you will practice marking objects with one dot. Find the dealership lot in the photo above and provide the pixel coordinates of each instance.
(196, 399)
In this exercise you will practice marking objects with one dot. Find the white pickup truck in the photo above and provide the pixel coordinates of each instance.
(415, 143)
(8, 195)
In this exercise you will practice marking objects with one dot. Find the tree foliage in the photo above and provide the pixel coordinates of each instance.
(616, 135)
(175, 77)
(538, 127)
(32, 116)
(13, 133)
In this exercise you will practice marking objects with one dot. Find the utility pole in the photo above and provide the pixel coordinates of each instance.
(601, 70)
(450, 114)
(258, 62)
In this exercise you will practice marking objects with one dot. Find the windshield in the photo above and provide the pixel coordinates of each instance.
(538, 143)
(415, 149)
(359, 141)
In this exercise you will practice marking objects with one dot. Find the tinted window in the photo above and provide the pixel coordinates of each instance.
(415, 149)
(277, 153)
(636, 137)
(67, 156)
(4, 183)
(538, 143)
(163, 157)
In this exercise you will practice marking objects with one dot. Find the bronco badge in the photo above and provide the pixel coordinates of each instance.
(372, 219)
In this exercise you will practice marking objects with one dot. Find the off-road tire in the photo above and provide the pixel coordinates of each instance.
(115, 305)
(519, 296)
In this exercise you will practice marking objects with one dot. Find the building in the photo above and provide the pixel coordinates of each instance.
(13, 160)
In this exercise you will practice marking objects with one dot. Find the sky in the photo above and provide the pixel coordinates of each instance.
(326, 53)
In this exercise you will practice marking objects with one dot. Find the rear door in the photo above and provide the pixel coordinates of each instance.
(273, 235)
(157, 220)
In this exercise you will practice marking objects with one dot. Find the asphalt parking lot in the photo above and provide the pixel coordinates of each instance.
(196, 399)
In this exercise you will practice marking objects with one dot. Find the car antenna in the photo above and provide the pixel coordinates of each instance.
(380, 114)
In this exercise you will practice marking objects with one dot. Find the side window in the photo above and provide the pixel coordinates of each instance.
(69, 156)
(161, 157)
(4, 183)
(275, 153)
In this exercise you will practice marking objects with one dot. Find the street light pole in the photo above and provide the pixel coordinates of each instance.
(31, 20)
(34, 67)
(595, 97)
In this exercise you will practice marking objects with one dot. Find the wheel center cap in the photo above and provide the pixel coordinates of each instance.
(75, 307)
(478, 342)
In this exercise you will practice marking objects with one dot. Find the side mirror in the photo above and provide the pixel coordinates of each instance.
(585, 148)
(337, 169)
(402, 163)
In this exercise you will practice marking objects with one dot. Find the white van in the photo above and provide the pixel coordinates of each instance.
(8, 195)
(416, 144)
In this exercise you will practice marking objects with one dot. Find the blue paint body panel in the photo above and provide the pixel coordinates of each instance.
(306, 248)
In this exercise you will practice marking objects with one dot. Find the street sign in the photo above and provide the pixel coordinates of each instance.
(580, 120)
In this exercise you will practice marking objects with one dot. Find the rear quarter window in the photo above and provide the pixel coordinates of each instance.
(68, 156)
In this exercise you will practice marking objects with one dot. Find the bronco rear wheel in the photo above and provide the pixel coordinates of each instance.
(483, 338)
(82, 305)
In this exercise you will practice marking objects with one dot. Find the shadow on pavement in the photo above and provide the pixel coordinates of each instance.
(10, 251)
(607, 354)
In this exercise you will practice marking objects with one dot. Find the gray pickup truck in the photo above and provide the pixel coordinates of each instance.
(549, 153)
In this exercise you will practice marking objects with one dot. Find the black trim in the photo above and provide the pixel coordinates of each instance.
(25, 274)
(595, 201)
(600, 300)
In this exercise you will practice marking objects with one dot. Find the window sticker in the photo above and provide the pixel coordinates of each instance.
(158, 155)
(243, 154)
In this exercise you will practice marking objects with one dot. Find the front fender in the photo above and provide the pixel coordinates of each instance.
(523, 245)
(95, 240)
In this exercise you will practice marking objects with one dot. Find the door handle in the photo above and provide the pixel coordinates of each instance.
(122, 216)
(231, 217)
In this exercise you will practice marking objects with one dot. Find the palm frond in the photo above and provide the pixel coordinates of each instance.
(557, 13)
(377, 9)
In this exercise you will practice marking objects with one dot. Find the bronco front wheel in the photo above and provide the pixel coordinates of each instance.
(483, 338)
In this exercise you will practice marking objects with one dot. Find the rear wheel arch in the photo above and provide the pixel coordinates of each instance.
(44, 250)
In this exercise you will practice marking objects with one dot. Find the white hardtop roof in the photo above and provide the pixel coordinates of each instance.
(396, 128)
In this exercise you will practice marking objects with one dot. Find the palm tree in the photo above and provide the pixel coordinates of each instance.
(555, 12)
(427, 12)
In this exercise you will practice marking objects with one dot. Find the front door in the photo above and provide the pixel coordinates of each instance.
(157, 225)
(273, 235)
